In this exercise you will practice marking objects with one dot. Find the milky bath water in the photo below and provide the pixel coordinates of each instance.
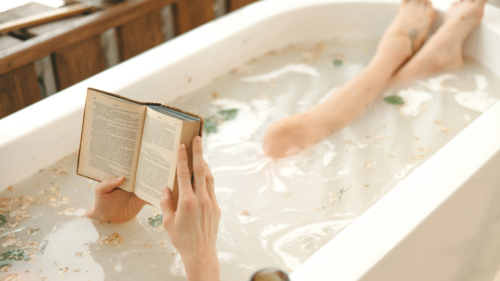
(275, 213)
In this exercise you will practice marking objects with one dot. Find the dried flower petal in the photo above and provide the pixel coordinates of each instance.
(163, 243)
(109, 239)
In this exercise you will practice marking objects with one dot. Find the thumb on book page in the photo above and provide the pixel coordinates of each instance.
(108, 185)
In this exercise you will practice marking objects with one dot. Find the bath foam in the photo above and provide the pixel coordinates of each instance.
(328, 157)
(437, 83)
(478, 100)
(414, 101)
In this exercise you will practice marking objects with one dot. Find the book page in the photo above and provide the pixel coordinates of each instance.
(158, 156)
(111, 138)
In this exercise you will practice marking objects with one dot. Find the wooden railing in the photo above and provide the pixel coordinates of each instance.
(236, 4)
(73, 47)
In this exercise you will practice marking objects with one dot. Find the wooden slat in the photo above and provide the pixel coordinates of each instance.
(182, 17)
(41, 18)
(139, 35)
(78, 62)
(20, 12)
(236, 4)
(32, 8)
(18, 89)
(100, 4)
(81, 30)
(7, 41)
(201, 11)
(49, 27)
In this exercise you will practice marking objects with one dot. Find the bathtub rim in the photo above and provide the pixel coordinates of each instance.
(18, 127)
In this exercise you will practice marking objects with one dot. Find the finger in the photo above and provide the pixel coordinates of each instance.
(108, 185)
(183, 174)
(167, 208)
(211, 194)
(199, 167)
(210, 183)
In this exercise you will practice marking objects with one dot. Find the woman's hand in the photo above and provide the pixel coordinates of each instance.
(113, 204)
(193, 229)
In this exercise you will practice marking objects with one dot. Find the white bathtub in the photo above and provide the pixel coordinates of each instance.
(441, 223)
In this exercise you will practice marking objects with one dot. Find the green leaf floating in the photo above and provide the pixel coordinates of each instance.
(337, 63)
(394, 100)
(156, 220)
(12, 255)
(3, 220)
(228, 114)
(212, 122)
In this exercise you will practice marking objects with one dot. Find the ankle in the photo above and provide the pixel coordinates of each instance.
(320, 120)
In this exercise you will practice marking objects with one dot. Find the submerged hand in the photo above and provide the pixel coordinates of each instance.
(113, 204)
(193, 229)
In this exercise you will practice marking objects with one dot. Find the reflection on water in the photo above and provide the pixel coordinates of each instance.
(275, 213)
(289, 201)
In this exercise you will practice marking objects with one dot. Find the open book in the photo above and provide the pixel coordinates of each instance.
(139, 141)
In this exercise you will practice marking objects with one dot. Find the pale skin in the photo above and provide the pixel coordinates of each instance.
(192, 228)
(113, 204)
(399, 56)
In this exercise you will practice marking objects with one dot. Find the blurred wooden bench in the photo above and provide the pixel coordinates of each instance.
(74, 45)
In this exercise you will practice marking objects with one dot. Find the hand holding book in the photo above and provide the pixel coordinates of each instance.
(139, 141)
(113, 204)
(141, 152)
(193, 228)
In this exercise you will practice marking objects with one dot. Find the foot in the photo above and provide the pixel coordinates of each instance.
(444, 50)
(407, 33)
(291, 134)
(403, 38)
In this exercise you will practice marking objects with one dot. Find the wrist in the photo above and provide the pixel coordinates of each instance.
(91, 214)
(206, 269)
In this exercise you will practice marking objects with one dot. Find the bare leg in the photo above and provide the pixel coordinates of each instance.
(402, 39)
(443, 51)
